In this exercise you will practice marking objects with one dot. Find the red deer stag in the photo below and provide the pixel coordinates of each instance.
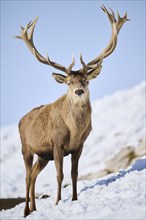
(56, 130)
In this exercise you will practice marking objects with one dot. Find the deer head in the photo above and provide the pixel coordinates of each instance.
(77, 80)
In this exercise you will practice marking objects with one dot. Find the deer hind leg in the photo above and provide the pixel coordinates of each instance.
(58, 159)
(28, 160)
(36, 169)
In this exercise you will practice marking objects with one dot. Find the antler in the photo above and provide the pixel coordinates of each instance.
(28, 40)
(94, 66)
(116, 26)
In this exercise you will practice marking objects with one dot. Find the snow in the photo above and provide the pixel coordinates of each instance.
(116, 196)
(118, 123)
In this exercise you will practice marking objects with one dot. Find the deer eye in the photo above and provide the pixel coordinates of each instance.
(68, 83)
(87, 82)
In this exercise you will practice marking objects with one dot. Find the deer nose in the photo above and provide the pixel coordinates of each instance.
(79, 91)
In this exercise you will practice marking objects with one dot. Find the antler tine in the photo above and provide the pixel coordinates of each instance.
(116, 26)
(96, 68)
(28, 40)
(32, 26)
(121, 21)
(56, 65)
(91, 67)
(85, 67)
(71, 65)
(110, 16)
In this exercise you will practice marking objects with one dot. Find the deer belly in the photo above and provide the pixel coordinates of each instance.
(46, 155)
(44, 151)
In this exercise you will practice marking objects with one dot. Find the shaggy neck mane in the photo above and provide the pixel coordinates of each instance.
(78, 112)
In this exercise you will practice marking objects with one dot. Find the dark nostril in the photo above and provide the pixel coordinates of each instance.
(79, 91)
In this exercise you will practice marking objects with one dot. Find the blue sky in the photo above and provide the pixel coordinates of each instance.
(65, 28)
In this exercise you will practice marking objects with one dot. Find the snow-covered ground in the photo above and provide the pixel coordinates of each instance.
(116, 196)
(118, 135)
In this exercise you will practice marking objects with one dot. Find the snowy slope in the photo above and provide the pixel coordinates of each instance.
(116, 196)
(118, 132)
(118, 124)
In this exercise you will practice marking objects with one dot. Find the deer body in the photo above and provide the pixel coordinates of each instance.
(56, 130)
(62, 124)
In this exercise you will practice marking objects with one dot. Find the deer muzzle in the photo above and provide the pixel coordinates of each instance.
(79, 92)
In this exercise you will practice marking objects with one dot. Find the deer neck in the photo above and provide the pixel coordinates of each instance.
(78, 112)
(77, 118)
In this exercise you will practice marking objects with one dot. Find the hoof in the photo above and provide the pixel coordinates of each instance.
(56, 203)
(73, 199)
(33, 209)
(26, 212)
(57, 200)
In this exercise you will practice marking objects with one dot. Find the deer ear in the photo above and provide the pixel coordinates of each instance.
(59, 77)
(94, 73)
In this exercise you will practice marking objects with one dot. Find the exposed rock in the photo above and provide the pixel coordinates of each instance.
(120, 160)
(125, 157)
(140, 150)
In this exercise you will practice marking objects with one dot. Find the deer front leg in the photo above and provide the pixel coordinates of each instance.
(58, 159)
(74, 172)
